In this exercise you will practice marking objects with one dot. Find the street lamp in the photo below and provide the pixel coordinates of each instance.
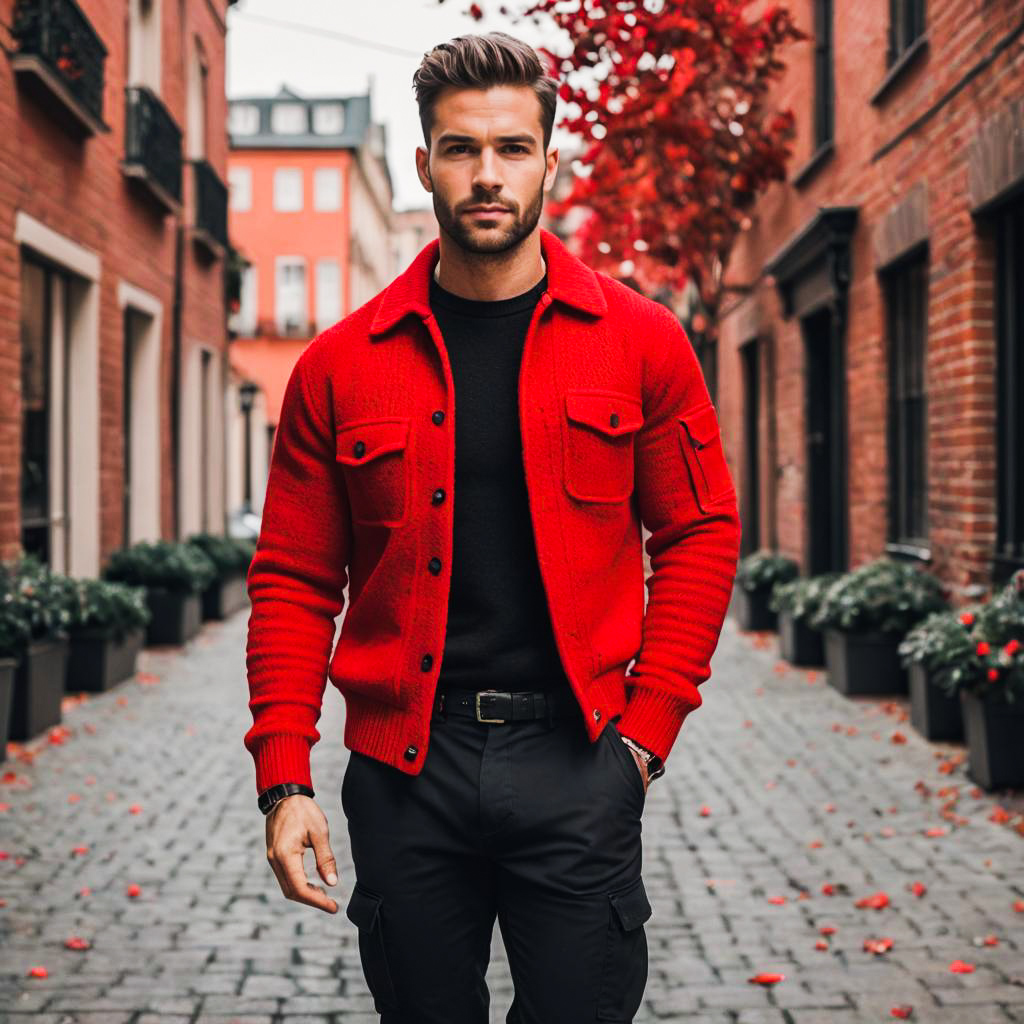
(246, 396)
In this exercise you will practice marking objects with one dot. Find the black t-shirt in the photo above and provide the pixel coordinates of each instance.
(499, 633)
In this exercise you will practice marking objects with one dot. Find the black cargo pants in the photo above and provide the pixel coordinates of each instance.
(526, 822)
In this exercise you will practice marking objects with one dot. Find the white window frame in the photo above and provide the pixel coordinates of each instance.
(240, 188)
(327, 189)
(301, 313)
(285, 178)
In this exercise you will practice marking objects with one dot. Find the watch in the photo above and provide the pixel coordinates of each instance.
(275, 794)
(654, 765)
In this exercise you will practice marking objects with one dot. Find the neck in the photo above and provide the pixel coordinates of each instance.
(488, 282)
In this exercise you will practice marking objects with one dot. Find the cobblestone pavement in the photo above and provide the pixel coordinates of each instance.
(803, 790)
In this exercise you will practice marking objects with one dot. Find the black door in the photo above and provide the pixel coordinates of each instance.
(751, 497)
(827, 498)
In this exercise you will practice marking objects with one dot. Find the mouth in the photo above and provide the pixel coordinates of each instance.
(487, 209)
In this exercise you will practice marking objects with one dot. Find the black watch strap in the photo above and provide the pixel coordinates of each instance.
(273, 794)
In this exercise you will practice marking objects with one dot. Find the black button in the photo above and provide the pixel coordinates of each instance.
(426, 662)
(434, 565)
(358, 448)
(615, 419)
(438, 496)
(410, 753)
(438, 417)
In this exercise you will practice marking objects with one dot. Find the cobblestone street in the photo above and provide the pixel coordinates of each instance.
(783, 805)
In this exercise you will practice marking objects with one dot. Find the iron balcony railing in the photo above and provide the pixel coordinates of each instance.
(211, 204)
(58, 35)
(152, 144)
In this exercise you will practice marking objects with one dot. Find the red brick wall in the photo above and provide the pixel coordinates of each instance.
(961, 342)
(78, 190)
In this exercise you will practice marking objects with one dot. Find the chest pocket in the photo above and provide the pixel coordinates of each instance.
(701, 439)
(601, 426)
(373, 458)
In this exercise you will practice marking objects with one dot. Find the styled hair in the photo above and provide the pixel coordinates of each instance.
(479, 62)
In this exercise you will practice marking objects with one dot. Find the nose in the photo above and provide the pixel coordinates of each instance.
(486, 178)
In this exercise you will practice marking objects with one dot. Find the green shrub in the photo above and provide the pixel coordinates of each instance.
(162, 564)
(38, 600)
(885, 595)
(106, 605)
(227, 554)
(15, 631)
(801, 598)
(761, 570)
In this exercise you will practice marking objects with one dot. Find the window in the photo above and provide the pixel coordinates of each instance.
(824, 87)
(144, 17)
(328, 293)
(329, 118)
(327, 188)
(906, 26)
(45, 358)
(1010, 395)
(288, 119)
(290, 295)
(244, 119)
(240, 186)
(288, 189)
(243, 322)
(906, 292)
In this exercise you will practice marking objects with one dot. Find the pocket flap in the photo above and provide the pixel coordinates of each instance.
(362, 440)
(606, 411)
(632, 905)
(701, 424)
(363, 908)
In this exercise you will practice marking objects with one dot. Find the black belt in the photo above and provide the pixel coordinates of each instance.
(500, 706)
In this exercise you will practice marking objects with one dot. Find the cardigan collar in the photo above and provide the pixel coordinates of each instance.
(570, 281)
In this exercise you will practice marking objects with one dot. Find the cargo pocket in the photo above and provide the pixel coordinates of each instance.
(601, 426)
(624, 977)
(364, 911)
(701, 440)
(372, 454)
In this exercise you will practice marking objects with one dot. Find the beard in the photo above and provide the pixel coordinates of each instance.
(497, 237)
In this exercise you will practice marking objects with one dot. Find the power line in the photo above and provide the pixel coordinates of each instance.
(324, 33)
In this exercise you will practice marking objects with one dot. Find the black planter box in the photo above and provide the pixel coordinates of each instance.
(38, 688)
(7, 669)
(995, 740)
(225, 596)
(864, 664)
(752, 611)
(98, 659)
(176, 615)
(799, 643)
(933, 713)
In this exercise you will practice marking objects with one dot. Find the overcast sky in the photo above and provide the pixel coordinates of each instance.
(263, 54)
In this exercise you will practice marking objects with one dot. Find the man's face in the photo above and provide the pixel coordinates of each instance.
(487, 149)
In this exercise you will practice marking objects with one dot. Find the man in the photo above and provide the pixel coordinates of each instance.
(473, 451)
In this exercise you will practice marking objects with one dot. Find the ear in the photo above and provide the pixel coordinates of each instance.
(423, 168)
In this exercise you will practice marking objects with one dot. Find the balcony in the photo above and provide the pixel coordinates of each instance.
(60, 60)
(210, 226)
(152, 147)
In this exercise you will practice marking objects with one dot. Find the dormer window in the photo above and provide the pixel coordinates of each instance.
(243, 119)
(288, 119)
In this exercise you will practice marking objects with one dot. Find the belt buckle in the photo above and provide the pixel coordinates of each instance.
(497, 721)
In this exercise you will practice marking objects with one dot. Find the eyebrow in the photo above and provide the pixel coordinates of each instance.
(452, 137)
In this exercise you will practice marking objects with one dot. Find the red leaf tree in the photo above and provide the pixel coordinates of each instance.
(671, 100)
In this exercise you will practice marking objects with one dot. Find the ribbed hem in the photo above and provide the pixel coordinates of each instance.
(282, 758)
(653, 718)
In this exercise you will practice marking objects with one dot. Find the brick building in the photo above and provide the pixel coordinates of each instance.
(870, 358)
(113, 233)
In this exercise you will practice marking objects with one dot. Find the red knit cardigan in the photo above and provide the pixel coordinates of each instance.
(617, 429)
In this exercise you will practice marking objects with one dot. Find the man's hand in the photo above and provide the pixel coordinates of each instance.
(293, 824)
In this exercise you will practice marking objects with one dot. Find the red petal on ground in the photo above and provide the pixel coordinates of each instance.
(827, 929)
(777, 900)
(133, 890)
(1019, 906)
(897, 737)
(79, 850)
(77, 942)
(876, 901)
(933, 833)
(877, 945)
(821, 944)
(918, 888)
(135, 809)
(961, 967)
(38, 972)
(705, 811)
(828, 889)
(765, 978)
(903, 1012)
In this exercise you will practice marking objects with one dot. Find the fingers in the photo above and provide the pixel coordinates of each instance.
(288, 836)
(325, 862)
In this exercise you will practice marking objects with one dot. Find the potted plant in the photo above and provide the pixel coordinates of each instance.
(756, 575)
(227, 592)
(991, 689)
(794, 602)
(14, 635)
(864, 614)
(106, 630)
(42, 598)
(174, 576)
